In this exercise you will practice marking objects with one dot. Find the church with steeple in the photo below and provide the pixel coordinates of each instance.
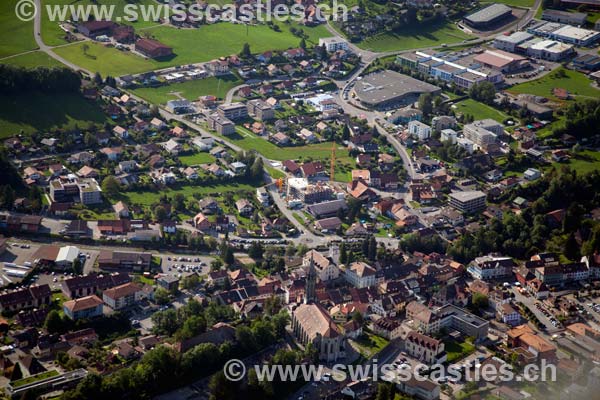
(311, 323)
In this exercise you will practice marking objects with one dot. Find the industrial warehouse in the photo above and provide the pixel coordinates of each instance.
(389, 88)
(489, 16)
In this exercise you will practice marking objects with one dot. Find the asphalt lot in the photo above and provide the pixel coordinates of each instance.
(530, 303)
(182, 265)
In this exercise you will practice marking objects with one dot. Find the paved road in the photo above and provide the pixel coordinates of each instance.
(37, 24)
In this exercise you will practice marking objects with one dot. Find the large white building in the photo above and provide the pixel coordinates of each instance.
(360, 275)
(122, 296)
(326, 269)
(333, 44)
(419, 130)
(468, 201)
(490, 267)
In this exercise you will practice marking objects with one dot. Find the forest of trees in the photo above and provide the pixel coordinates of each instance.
(46, 80)
(163, 369)
(530, 232)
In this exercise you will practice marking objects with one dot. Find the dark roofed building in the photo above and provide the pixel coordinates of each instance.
(326, 209)
(87, 285)
(33, 296)
(118, 260)
(93, 29)
(153, 48)
(488, 16)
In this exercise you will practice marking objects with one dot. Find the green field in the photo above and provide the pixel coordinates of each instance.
(575, 82)
(415, 37)
(196, 159)
(212, 41)
(32, 60)
(318, 151)
(458, 350)
(249, 141)
(53, 34)
(583, 162)
(479, 110)
(190, 90)
(106, 60)
(146, 198)
(512, 3)
(16, 36)
(41, 112)
(189, 45)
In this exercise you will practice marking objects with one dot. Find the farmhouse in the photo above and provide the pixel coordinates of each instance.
(153, 48)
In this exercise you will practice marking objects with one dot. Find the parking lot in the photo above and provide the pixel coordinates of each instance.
(17, 257)
(183, 265)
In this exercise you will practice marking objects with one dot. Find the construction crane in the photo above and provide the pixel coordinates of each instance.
(332, 166)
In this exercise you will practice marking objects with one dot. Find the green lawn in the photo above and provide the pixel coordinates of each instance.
(34, 378)
(370, 344)
(249, 141)
(32, 60)
(146, 198)
(16, 36)
(583, 162)
(415, 37)
(190, 90)
(319, 151)
(196, 159)
(106, 60)
(479, 110)
(458, 350)
(575, 82)
(189, 45)
(41, 112)
(212, 41)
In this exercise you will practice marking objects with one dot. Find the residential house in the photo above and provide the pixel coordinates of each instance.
(83, 308)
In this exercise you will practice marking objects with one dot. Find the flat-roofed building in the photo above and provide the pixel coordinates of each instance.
(261, 110)
(488, 16)
(551, 50)
(565, 17)
(233, 111)
(577, 36)
(333, 44)
(223, 126)
(468, 201)
(511, 42)
(389, 88)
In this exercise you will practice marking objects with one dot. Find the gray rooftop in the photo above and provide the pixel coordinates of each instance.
(389, 85)
(488, 13)
(467, 195)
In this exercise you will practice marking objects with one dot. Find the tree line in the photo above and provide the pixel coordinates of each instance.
(14, 80)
